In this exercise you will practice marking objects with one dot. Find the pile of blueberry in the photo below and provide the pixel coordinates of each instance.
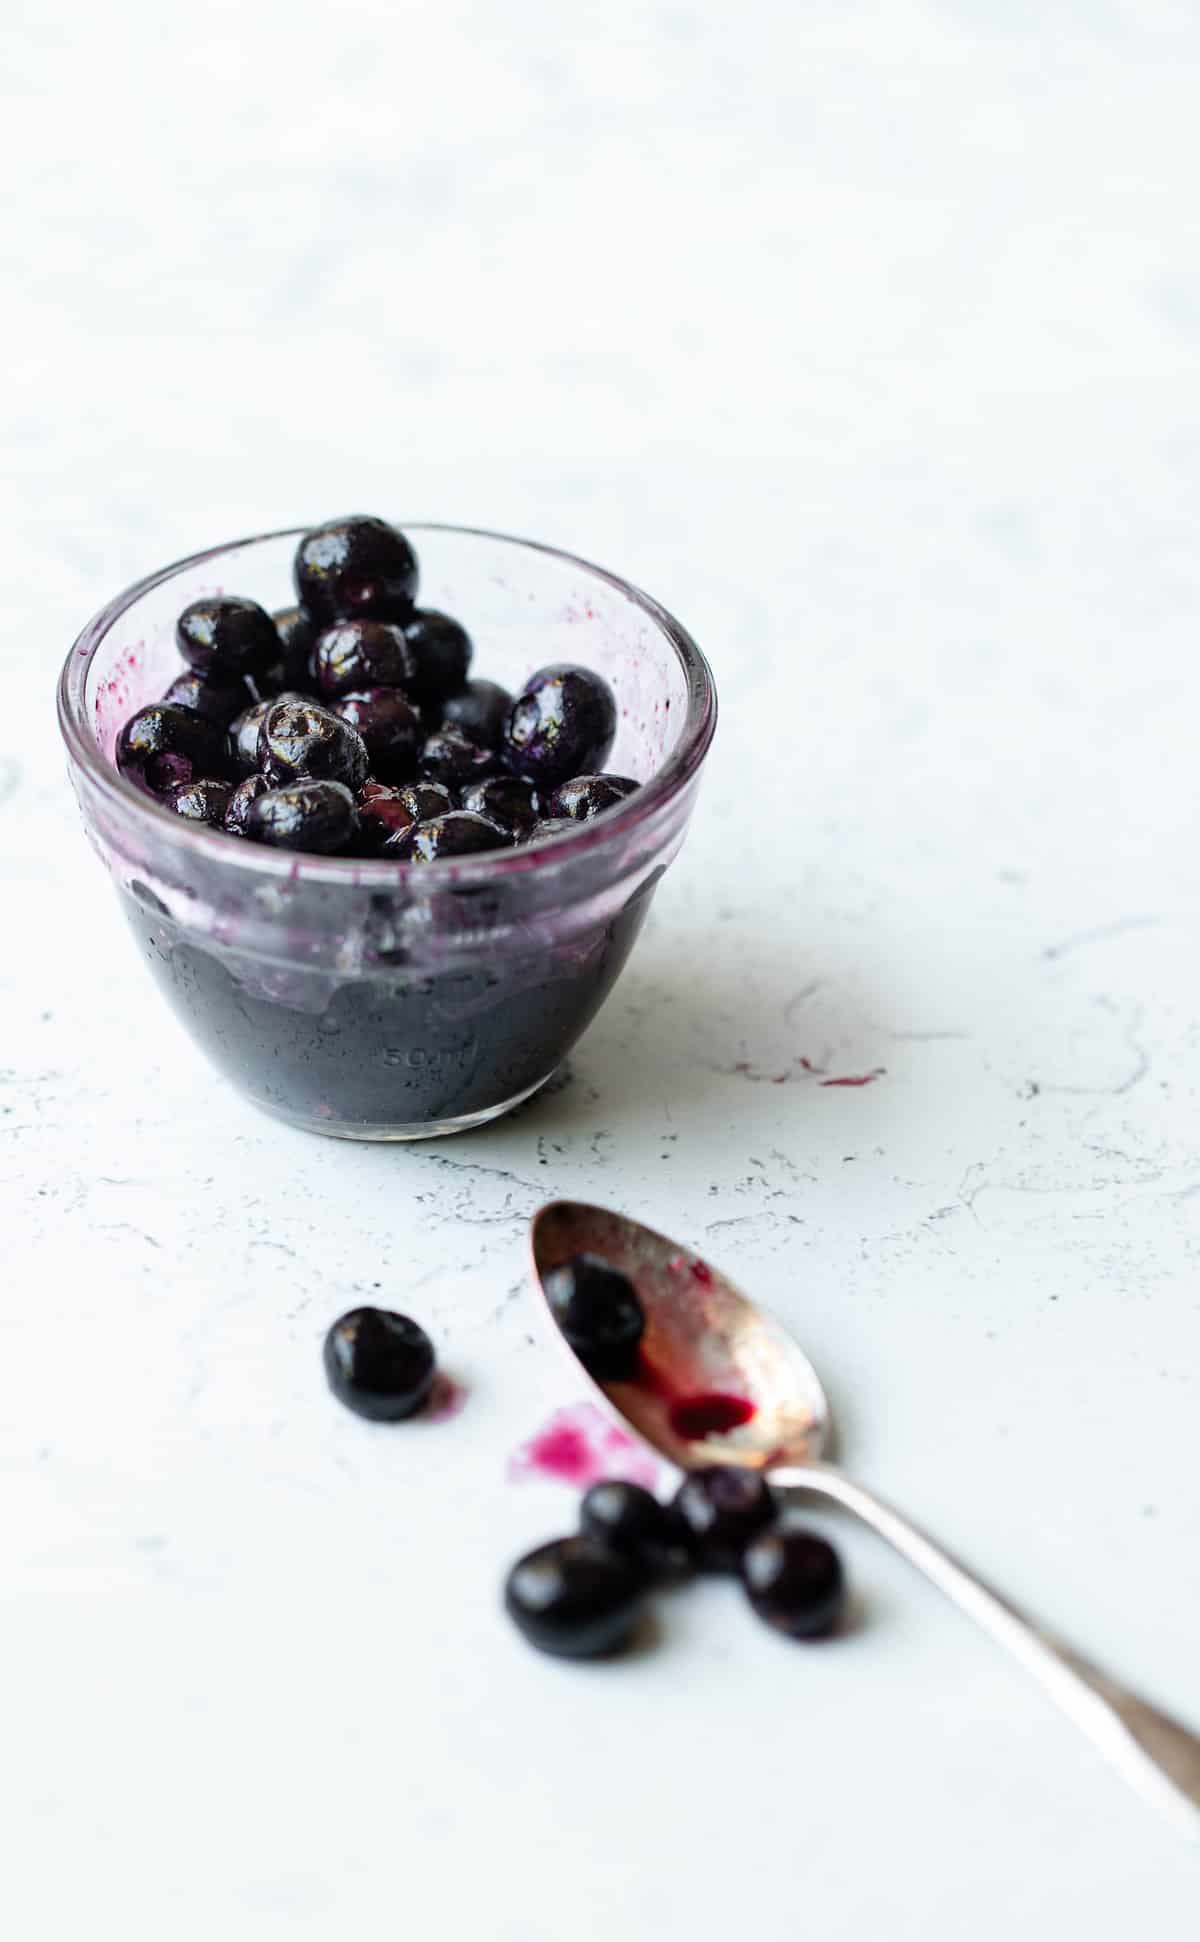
(347, 725)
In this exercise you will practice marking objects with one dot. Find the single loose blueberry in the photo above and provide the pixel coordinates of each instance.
(585, 796)
(357, 654)
(203, 801)
(356, 568)
(630, 1520)
(720, 1509)
(442, 650)
(301, 739)
(505, 799)
(794, 1580)
(480, 710)
(164, 744)
(227, 636)
(379, 1364)
(384, 823)
(448, 757)
(598, 1311)
(389, 725)
(426, 800)
(218, 701)
(457, 834)
(575, 1598)
(563, 723)
(237, 810)
(317, 817)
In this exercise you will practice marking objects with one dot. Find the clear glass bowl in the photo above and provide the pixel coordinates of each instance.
(379, 1000)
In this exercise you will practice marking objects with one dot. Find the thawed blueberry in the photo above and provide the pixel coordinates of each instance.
(575, 1598)
(301, 739)
(598, 1311)
(357, 568)
(379, 1364)
(318, 817)
(720, 1510)
(384, 823)
(794, 1580)
(217, 701)
(389, 725)
(358, 654)
(631, 1521)
(237, 810)
(245, 728)
(551, 826)
(563, 723)
(585, 796)
(480, 710)
(443, 653)
(165, 744)
(203, 801)
(296, 636)
(448, 757)
(425, 800)
(227, 636)
(459, 833)
(505, 799)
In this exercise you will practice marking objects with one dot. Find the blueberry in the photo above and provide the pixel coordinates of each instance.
(218, 701)
(505, 799)
(202, 801)
(244, 729)
(720, 1510)
(226, 637)
(458, 833)
(237, 809)
(358, 654)
(165, 744)
(319, 817)
(389, 725)
(794, 1581)
(425, 800)
(448, 757)
(563, 723)
(585, 796)
(379, 1364)
(357, 568)
(631, 1521)
(296, 636)
(575, 1598)
(442, 650)
(599, 1313)
(551, 826)
(480, 710)
(301, 739)
(383, 822)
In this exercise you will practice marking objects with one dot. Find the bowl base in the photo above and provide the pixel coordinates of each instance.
(436, 1129)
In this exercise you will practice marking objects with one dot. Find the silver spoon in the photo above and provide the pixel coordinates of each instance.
(709, 1356)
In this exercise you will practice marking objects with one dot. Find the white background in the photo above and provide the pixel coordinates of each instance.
(867, 338)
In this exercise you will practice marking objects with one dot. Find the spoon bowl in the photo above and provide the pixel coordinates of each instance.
(718, 1379)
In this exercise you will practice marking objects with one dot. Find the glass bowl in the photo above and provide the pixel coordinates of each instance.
(380, 1000)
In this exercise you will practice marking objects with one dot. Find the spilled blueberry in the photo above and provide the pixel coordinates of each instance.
(381, 1365)
(794, 1581)
(598, 1311)
(164, 744)
(585, 796)
(319, 817)
(575, 1598)
(226, 636)
(720, 1509)
(356, 568)
(480, 710)
(563, 723)
(630, 1520)
(300, 739)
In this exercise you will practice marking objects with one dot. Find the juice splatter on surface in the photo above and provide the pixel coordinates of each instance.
(447, 1398)
(580, 1446)
(857, 1078)
(696, 1417)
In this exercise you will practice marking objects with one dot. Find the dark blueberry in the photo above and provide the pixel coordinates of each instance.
(794, 1581)
(202, 801)
(301, 739)
(356, 569)
(552, 826)
(237, 810)
(585, 796)
(561, 724)
(457, 834)
(389, 725)
(720, 1509)
(443, 653)
(425, 800)
(359, 654)
(245, 728)
(505, 799)
(379, 1364)
(227, 636)
(165, 744)
(575, 1598)
(383, 823)
(296, 636)
(480, 710)
(599, 1313)
(319, 817)
(448, 757)
(217, 701)
(630, 1520)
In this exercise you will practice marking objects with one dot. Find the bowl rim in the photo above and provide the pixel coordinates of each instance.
(656, 792)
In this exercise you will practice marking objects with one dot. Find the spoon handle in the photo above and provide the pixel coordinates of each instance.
(1154, 1752)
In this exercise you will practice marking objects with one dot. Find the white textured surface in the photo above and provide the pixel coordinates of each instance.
(866, 337)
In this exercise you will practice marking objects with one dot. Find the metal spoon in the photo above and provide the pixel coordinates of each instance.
(707, 1348)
